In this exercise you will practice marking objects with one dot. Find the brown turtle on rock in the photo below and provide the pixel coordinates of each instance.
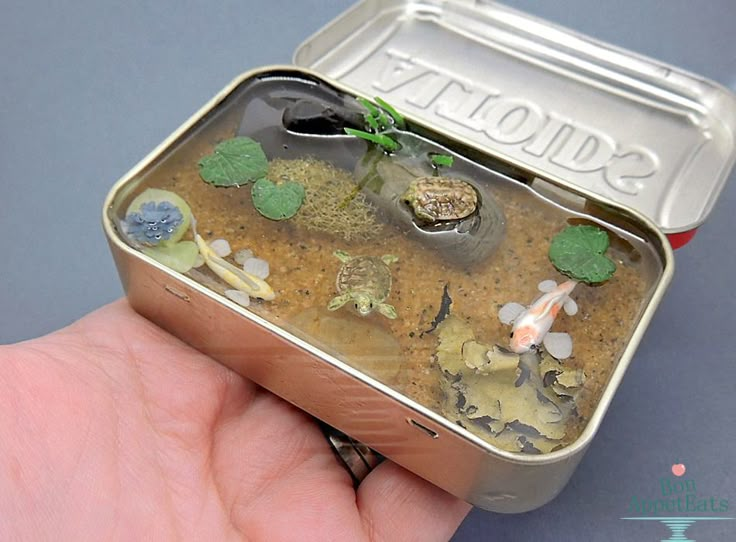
(462, 243)
(437, 199)
(366, 280)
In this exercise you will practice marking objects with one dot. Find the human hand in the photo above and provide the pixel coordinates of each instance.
(113, 429)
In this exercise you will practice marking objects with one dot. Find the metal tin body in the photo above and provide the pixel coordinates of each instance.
(631, 129)
(399, 428)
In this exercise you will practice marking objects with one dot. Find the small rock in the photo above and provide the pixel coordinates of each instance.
(242, 255)
(221, 247)
(314, 117)
(257, 267)
(241, 298)
(360, 343)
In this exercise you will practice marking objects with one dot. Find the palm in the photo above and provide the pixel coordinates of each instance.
(113, 429)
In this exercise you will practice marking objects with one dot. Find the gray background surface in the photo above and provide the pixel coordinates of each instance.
(87, 88)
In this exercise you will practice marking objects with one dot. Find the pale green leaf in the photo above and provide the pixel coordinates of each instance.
(179, 257)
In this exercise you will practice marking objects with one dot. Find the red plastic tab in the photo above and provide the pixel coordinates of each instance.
(681, 239)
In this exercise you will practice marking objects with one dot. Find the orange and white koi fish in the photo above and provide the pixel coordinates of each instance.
(532, 324)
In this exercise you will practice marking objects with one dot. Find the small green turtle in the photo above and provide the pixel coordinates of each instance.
(367, 281)
(436, 199)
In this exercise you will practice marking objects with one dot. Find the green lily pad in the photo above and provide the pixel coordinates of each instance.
(234, 162)
(444, 160)
(277, 201)
(578, 252)
(179, 257)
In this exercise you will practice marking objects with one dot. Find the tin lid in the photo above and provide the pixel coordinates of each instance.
(634, 130)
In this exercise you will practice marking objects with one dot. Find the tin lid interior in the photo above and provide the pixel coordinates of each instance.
(633, 130)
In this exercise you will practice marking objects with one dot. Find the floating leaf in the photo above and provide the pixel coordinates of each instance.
(180, 257)
(578, 251)
(453, 333)
(565, 381)
(500, 360)
(500, 399)
(277, 201)
(503, 397)
(444, 160)
(475, 354)
(234, 162)
(157, 216)
(488, 359)
(569, 382)
(515, 440)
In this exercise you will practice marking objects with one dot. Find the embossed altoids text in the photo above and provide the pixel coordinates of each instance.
(514, 121)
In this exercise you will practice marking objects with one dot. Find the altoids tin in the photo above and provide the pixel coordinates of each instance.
(545, 96)
(379, 263)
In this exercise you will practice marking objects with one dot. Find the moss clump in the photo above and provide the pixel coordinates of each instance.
(331, 204)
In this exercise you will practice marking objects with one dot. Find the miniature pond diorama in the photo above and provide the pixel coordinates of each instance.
(316, 240)
(331, 217)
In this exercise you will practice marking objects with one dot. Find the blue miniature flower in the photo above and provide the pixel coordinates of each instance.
(154, 222)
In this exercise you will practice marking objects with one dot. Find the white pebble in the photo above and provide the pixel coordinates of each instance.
(257, 267)
(242, 255)
(241, 298)
(221, 247)
(559, 345)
